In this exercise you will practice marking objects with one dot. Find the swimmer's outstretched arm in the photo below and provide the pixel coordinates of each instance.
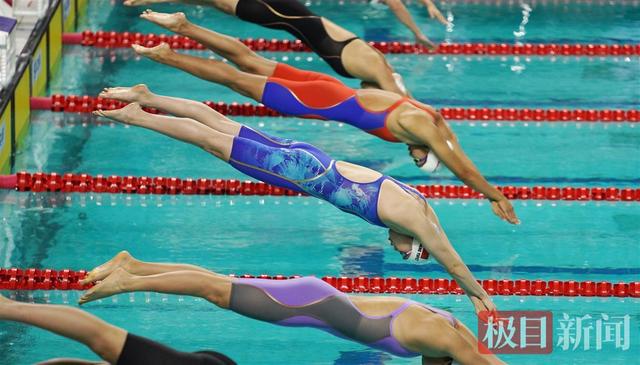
(434, 13)
(228, 47)
(445, 145)
(101, 337)
(425, 227)
(401, 12)
(247, 84)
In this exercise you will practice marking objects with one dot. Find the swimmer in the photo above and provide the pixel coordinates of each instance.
(348, 55)
(414, 230)
(396, 325)
(113, 344)
(403, 15)
(305, 93)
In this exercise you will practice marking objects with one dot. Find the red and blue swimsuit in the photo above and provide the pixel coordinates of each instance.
(309, 94)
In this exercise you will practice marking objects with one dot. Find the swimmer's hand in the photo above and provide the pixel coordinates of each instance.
(484, 307)
(423, 40)
(434, 13)
(503, 209)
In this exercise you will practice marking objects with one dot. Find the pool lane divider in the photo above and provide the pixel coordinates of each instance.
(48, 279)
(83, 183)
(109, 39)
(87, 104)
(506, 3)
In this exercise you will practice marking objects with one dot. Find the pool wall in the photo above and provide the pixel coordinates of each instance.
(36, 64)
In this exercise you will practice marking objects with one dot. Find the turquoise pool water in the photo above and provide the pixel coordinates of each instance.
(565, 241)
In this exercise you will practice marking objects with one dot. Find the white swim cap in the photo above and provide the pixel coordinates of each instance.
(417, 253)
(431, 164)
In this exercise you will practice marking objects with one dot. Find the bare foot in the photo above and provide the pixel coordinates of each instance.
(173, 22)
(143, 2)
(111, 285)
(156, 53)
(121, 260)
(125, 115)
(136, 94)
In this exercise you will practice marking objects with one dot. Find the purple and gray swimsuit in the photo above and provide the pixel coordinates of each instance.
(310, 302)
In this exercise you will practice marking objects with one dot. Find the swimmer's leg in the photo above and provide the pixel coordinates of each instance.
(184, 129)
(253, 154)
(149, 2)
(212, 287)
(70, 361)
(193, 110)
(126, 261)
(211, 70)
(233, 50)
(228, 47)
(368, 64)
(227, 6)
(176, 106)
(102, 338)
(462, 346)
(473, 342)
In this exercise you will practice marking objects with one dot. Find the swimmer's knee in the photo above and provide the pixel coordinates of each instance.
(215, 298)
(248, 68)
(251, 63)
(212, 149)
(235, 80)
(227, 6)
(108, 343)
(215, 142)
(198, 110)
(249, 85)
(218, 293)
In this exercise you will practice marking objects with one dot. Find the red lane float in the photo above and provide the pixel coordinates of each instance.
(87, 104)
(509, 3)
(83, 183)
(49, 279)
(41, 279)
(106, 39)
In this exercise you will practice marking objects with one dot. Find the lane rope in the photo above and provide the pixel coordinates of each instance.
(567, 3)
(49, 279)
(110, 39)
(88, 104)
(84, 183)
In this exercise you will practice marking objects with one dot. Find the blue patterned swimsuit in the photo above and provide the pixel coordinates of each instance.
(305, 168)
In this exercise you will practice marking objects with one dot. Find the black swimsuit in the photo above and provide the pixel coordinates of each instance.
(295, 18)
(139, 350)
